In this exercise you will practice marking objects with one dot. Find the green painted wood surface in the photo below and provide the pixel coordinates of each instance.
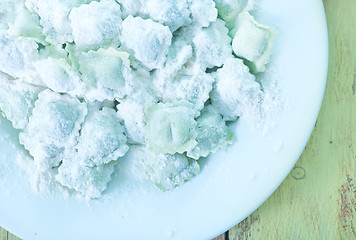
(318, 198)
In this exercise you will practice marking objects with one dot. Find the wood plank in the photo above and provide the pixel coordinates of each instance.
(5, 235)
(318, 198)
(224, 236)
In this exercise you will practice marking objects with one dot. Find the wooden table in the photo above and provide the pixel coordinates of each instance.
(318, 198)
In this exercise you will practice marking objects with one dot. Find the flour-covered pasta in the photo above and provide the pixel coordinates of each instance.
(59, 76)
(203, 12)
(171, 13)
(8, 10)
(212, 45)
(170, 127)
(253, 42)
(102, 138)
(230, 9)
(148, 41)
(132, 113)
(54, 18)
(17, 56)
(91, 28)
(53, 126)
(27, 24)
(87, 81)
(195, 88)
(163, 78)
(90, 181)
(17, 99)
(213, 134)
(105, 73)
(236, 92)
(169, 171)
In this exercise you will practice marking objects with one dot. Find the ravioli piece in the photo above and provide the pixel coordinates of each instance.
(102, 138)
(149, 41)
(213, 134)
(105, 73)
(59, 76)
(8, 8)
(236, 92)
(170, 127)
(10, 5)
(169, 171)
(132, 113)
(203, 12)
(55, 51)
(73, 55)
(140, 90)
(53, 126)
(27, 24)
(90, 181)
(230, 9)
(253, 42)
(130, 7)
(17, 99)
(195, 87)
(179, 54)
(54, 18)
(192, 84)
(96, 24)
(171, 13)
(16, 56)
(212, 45)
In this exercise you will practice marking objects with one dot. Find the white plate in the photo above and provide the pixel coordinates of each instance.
(231, 186)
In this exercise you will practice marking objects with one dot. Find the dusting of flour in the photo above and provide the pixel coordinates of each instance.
(139, 94)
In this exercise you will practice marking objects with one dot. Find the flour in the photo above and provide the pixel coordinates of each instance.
(153, 82)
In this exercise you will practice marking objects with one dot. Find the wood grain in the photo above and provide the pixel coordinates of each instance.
(318, 198)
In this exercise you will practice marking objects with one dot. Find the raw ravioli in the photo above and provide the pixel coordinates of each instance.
(90, 181)
(163, 79)
(105, 73)
(17, 99)
(192, 84)
(169, 171)
(253, 42)
(102, 138)
(54, 18)
(213, 45)
(53, 126)
(170, 127)
(130, 7)
(96, 24)
(55, 51)
(171, 13)
(139, 89)
(213, 134)
(27, 24)
(230, 9)
(8, 10)
(149, 41)
(203, 12)
(132, 113)
(16, 56)
(84, 81)
(195, 87)
(236, 92)
(59, 76)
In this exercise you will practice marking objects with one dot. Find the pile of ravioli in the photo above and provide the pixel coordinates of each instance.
(84, 81)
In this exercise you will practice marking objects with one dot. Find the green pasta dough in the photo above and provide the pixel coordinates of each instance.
(170, 127)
